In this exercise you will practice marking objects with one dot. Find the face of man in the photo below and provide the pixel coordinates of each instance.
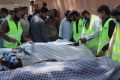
(3, 14)
(44, 15)
(17, 16)
(118, 18)
(70, 18)
(26, 11)
(101, 15)
(22, 13)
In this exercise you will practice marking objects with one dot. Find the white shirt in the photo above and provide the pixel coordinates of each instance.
(65, 30)
(96, 27)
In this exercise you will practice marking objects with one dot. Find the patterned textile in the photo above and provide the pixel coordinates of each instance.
(77, 69)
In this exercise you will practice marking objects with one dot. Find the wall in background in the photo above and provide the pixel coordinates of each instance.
(79, 5)
(10, 4)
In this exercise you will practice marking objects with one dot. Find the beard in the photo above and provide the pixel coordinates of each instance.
(16, 18)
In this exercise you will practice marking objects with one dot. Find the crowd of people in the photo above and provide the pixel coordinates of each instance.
(98, 32)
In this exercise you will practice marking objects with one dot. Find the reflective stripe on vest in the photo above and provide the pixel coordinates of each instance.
(14, 33)
(76, 36)
(116, 47)
(104, 38)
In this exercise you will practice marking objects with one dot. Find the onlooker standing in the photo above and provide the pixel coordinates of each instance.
(65, 30)
(38, 28)
(108, 26)
(4, 15)
(11, 30)
(25, 24)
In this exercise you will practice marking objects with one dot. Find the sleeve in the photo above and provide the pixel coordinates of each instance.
(60, 30)
(4, 29)
(44, 32)
(111, 28)
(97, 25)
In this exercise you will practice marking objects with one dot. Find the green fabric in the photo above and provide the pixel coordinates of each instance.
(76, 36)
(104, 38)
(14, 32)
(116, 47)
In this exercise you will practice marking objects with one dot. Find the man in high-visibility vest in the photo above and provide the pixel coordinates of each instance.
(115, 41)
(77, 27)
(91, 31)
(11, 30)
(108, 25)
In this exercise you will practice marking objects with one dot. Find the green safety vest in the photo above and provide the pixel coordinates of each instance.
(104, 38)
(116, 47)
(93, 42)
(14, 33)
(76, 36)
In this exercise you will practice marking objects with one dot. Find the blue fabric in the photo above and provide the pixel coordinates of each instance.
(65, 30)
(1, 40)
(83, 69)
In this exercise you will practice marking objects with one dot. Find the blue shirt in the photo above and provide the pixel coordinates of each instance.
(65, 30)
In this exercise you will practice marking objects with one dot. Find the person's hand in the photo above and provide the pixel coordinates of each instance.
(31, 42)
(83, 40)
(101, 53)
(76, 43)
(13, 41)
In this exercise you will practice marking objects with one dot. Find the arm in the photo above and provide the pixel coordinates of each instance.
(25, 28)
(4, 29)
(44, 32)
(97, 28)
(60, 30)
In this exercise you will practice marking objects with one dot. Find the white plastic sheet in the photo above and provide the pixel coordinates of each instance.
(54, 50)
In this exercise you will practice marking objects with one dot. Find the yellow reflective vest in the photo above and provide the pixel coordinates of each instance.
(116, 47)
(104, 38)
(77, 35)
(14, 33)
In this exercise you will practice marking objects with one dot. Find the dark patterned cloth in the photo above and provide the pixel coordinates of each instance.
(83, 69)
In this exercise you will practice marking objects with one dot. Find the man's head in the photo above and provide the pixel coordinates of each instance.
(17, 12)
(4, 12)
(43, 13)
(12, 13)
(116, 13)
(75, 15)
(44, 4)
(32, 3)
(66, 13)
(24, 11)
(103, 11)
(85, 14)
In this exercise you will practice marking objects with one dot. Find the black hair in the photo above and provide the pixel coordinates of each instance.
(31, 2)
(76, 13)
(17, 9)
(104, 8)
(44, 4)
(11, 12)
(85, 12)
(25, 7)
(66, 13)
(116, 11)
(4, 10)
(43, 10)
